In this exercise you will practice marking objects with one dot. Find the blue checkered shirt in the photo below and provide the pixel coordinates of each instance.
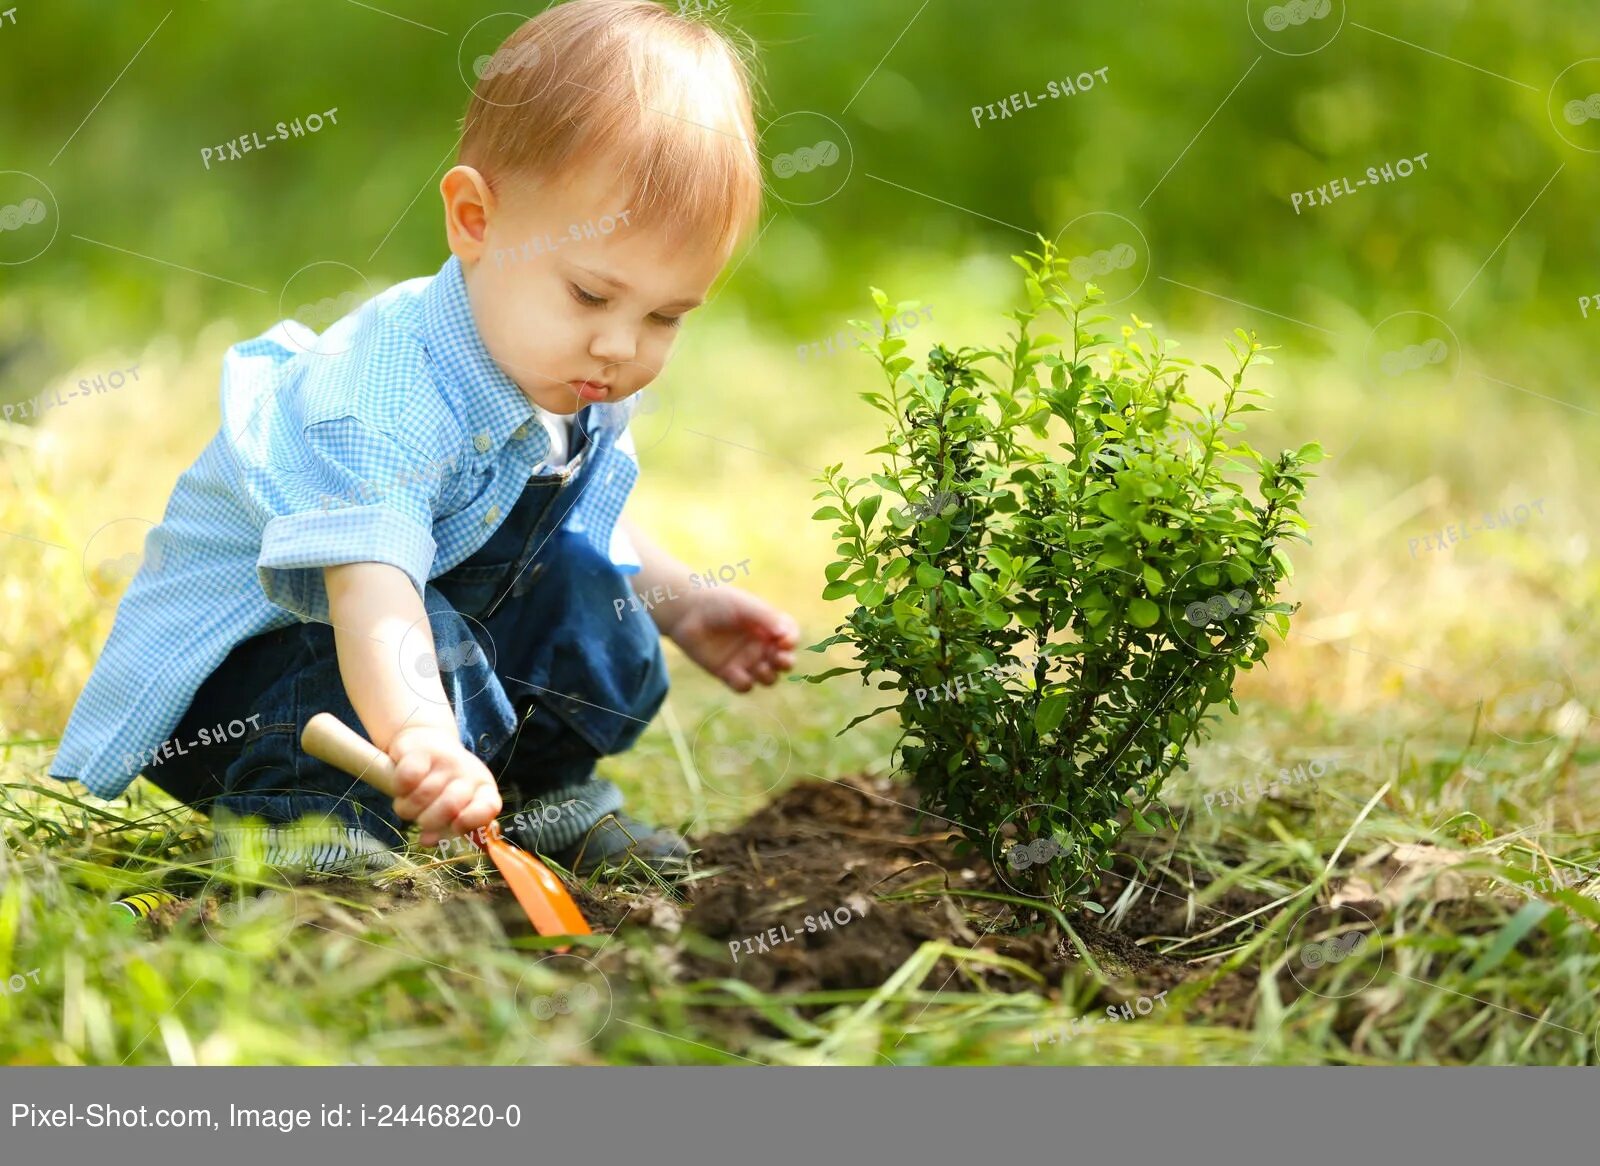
(391, 438)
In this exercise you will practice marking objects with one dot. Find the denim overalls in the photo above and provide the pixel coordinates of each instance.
(564, 677)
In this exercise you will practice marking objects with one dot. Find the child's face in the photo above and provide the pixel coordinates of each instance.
(568, 286)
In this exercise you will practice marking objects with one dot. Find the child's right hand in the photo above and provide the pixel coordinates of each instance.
(442, 786)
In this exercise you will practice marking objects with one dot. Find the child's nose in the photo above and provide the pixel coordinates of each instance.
(613, 344)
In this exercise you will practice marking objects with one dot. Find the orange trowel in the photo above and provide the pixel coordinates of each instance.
(550, 908)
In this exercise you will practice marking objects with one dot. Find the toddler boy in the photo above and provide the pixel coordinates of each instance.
(414, 520)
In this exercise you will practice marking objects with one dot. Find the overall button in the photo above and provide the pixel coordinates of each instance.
(484, 741)
(481, 443)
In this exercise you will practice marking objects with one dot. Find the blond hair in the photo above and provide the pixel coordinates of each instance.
(664, 99)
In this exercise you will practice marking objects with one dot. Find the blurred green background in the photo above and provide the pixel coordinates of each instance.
(131, 176)
(1203, 123)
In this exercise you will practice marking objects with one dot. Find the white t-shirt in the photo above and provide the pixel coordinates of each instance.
(560, 428)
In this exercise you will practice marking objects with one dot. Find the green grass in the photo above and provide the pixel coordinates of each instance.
(436, 980)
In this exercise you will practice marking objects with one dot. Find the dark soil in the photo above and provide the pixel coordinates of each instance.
(835, 885)
(847, 849)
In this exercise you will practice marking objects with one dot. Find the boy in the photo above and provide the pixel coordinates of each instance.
(413, 520)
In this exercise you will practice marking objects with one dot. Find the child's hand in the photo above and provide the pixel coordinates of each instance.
(443, 787)
(737, 637)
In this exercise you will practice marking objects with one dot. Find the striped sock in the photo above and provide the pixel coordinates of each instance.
(561, 817)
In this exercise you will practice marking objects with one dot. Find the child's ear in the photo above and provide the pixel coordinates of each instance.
(468, 203)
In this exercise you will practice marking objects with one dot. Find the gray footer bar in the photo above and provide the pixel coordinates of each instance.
(600, 1116)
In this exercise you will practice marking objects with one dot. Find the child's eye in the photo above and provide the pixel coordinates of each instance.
(667, 321)
(584, 297)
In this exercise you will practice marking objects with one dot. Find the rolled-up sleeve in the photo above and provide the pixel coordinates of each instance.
(358, 495)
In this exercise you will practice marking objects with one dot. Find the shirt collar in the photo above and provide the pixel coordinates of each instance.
(494, 406)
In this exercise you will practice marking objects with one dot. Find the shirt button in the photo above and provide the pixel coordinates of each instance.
(481, 443)
(520, 431)
(491, 516)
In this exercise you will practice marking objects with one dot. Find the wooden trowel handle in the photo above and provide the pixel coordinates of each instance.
(329, 739)
(548, 904)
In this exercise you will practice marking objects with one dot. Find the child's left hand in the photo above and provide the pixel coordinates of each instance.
(737, 637)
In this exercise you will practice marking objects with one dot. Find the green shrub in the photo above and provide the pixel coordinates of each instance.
(1056, 626)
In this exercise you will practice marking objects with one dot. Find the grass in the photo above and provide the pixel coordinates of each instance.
(1401, 675)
